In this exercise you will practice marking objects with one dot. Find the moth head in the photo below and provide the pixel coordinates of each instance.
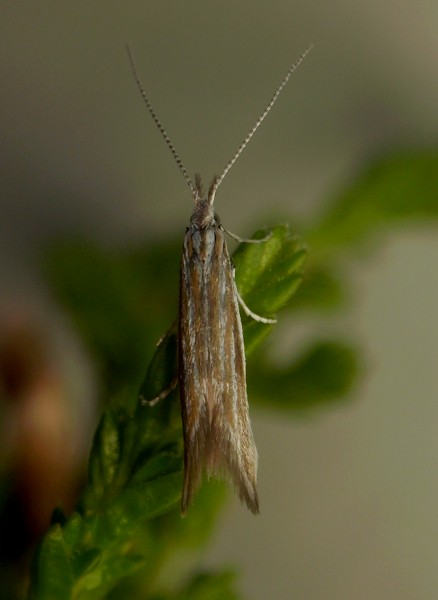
(203, 214)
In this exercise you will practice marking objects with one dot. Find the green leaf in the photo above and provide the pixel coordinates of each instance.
(396, 189)
(52, 569)
(107, 439)
(322, 374)
(267, 276)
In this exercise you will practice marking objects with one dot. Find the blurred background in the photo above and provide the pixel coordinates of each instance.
(348, 493)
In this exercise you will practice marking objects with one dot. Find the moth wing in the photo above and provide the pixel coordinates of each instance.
(218, 437)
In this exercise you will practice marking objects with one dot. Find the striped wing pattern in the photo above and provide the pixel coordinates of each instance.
(218, 438)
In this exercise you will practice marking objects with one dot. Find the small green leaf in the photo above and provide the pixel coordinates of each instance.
(109, 446)
(52, 569)
(73, 530)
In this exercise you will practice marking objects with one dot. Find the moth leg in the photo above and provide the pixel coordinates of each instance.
(246, 309)
(253, 315)
(246, 241)
(163, 394)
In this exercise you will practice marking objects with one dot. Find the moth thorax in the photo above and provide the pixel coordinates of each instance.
(203, 214)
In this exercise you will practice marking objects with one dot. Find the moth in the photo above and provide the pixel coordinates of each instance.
(218, 438)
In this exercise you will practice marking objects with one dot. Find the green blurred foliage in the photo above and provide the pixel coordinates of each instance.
(127, 525)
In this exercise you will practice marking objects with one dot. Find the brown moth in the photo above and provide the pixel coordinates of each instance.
(218, 438)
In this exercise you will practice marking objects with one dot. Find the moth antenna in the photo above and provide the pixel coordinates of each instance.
(198, 185)
(158, 124)
(217, 181)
